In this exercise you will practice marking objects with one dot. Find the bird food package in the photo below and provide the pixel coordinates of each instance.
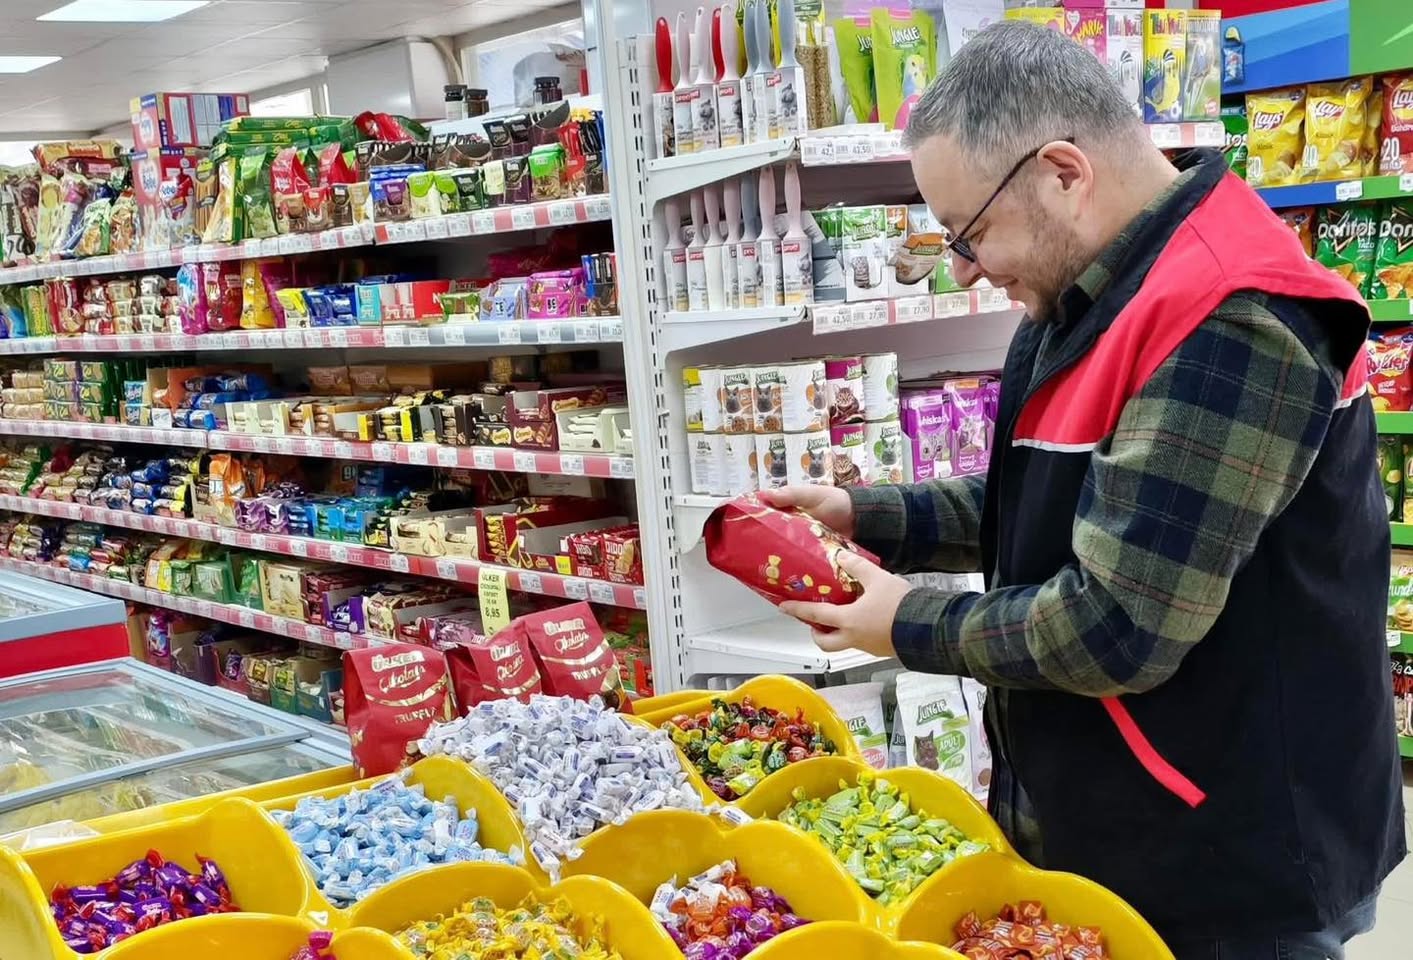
(904, 54)
(780, 554)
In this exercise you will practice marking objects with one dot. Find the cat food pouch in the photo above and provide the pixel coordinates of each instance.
(392, 693)
(936, 729)
(854, 44)
(1275, 120)
(904, 51)
(974, 694)
(860, 706)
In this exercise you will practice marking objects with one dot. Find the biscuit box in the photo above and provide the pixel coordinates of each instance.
(780, 554)
(500, 527)
(392, 693)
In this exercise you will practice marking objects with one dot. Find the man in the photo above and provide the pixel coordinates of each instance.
(1182, 530)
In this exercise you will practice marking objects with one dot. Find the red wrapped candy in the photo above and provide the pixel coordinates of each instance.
(1021, 932)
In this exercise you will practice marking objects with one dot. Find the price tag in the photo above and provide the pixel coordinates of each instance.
(571, 464)
(951, 304)
(508, 332)
(204, 608)
(483, 458)
(1405, 183)
(293, 339)
(874, 314)
(483, 221)
(586, 331)
(597, 208)
(640, 598)
(397, 562)
(448, 569)
(1349, 190)
(297, 547)
(860, 149)
(448, 457)
(454, 335)
(621, 468)
(576, 588)
(531, 583)
(246, 618)
(600, 592)
(395, 336)
(383, 452)
(1166, 136)
(993, 301)
(495, 603)
(257, 542)
(343, 450)
(828, 319)
(562, 213)
(810, 150)
(226, 535)
(547, 332)
(417, 453)
(338, 337)
(522, 218)
(436, 229)
(525, 461)
(1393, 638)
(419, 337)
(458, 225)
(912, 309)
(338, 553)
(284, 445)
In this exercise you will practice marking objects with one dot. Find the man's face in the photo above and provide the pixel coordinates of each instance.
(1025, 242)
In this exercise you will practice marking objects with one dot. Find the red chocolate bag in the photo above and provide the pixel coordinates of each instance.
(575, 660)
(392, 694)
(495, 668)
(780, 554)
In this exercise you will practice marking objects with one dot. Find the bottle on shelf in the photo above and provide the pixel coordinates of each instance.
(674, 258)
(696, 257)
(771, 292)
(711, 248)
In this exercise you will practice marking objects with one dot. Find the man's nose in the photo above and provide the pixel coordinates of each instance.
(964, 271)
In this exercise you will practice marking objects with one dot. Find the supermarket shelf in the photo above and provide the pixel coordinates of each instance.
(670, 176)
(1401, 534)
(690, 514)
(451, 226)
(1394, 422)
(1338, 191)
(569, 463)
(774, 645)
(1391, 310)
(1399, 642)
(1405, 746)
(695, 328)
(376, 558)
(468, 334)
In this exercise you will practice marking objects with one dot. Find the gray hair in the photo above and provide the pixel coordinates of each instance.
(1015, 86)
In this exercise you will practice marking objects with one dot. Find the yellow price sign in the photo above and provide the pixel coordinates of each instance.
(495, 604)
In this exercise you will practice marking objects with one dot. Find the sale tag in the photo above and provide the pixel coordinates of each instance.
(297, 547)
(531, 583)
(397, 562)
(383, 452)
(395, 336)
(586, 331)
(417, 453)
(437, 229)
(453, 335)
(338, 337)
(621, 468)
(562, 213)
(522, 218)
(458, 225)
(483, 221)
(525, 462)
(597, 208)
(338, 553)
(1349, 190)
(495, 603)
(547, 332)
(600, 592)
(576, 588)
(448, 456)
(343, 450)
(448, 569)
(571, 464)
(508, 332)
(483, 458)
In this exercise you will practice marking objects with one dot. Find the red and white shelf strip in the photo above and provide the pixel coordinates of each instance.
(837, 317)
(441, 568)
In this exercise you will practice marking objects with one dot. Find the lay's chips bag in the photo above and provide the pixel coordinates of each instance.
(1396, 148)
(1369, 148)
(1393, 258)
(1345, 238)
(1335, 128)
(1275, 120)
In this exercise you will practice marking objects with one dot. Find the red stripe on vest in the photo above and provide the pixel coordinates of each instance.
(1231, 242)
(1151, 760)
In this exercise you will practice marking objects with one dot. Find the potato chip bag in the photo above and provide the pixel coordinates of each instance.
(1234, 129)
(1335, 129)
(1396, 147)
(904, 51)
(1345, 237)
(1393, 254)
(1390, 379)
(1369, 148)
(1302, 221)
(1274, 119)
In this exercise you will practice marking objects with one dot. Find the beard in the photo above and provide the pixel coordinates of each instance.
(1058, 259)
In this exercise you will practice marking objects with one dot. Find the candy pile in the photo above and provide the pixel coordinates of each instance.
(736, 745)
(1021, 930)
(886, 846)
(363, 839)
(567, 766)
(719, 915)
(481, 930)
(146, 893)
(317, 948)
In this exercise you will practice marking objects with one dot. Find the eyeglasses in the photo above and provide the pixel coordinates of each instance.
(959, 244)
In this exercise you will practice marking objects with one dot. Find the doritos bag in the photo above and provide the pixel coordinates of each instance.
(392, 693)
(1345, 238)
(1393, 256)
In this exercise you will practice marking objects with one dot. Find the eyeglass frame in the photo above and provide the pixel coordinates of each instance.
(959, 244)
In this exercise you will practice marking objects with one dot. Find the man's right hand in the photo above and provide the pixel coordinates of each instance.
(831, 506)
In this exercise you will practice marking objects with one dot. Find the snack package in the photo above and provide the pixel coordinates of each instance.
(974, 694)
(122, 226)
(179, 210)
(1400, 591)
(224, 295)
(392, 693)
(1302, 221)
(1335, 128)
(191, 299)
(904, 52)
(255, 312)
(1396, 137)
(255, 195)
(93, 237)
(933, 714)
(1369, 145)
(1393, 254)
(1390, 380)
(780, 554)
(1234, 126)
(854, 45)
(1345, 239)
(574, 658)
(1276, 120)
(495, 668)
(205, 185)
(1164, 56)
(1391, 465)
(860, 706)
(289, 181)
(222, 227)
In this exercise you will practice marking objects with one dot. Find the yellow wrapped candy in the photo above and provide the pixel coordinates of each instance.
(479, 930)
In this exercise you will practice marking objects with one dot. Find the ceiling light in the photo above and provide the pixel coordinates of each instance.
(123, 11)
(25, 64)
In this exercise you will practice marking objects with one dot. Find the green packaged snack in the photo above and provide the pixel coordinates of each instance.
(904, 52)
(854, 44)
(424, 198)
(1345, 238)
(470, 192)
(445, 185)
(1393, 256)
(1234, 146)
(1390, 457)
(547, 172)
(255, 195)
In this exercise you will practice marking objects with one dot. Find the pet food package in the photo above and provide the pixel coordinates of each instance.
(780, 554)
(1164, 55)
(1392, 275)
(1123, 52)
(897, 746)
(974, 694)
(494, 668)
(1396, 143)
(853, 39)
(392, 693)
(936, 729)
(860, 706)
(904, 52)
(923, 246)
(574, 657)
(1275, 126)
(865, 245)
(1202, 66)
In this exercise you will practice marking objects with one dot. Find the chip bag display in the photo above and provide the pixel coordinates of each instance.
(854, 43)
(1396, 144)
(1345, 238)
(1275, 120)
(1390, 456)
(1335, 128)
(1390, 380)
(1393, 255)
(1369, 147)
(1234, 127)
(1302, 221)
(904, 52)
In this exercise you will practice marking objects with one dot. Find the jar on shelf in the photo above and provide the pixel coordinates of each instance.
(477, 101)
(547, 90)
(455, 96)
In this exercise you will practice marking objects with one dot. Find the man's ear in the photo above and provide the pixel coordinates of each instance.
(1067, 162)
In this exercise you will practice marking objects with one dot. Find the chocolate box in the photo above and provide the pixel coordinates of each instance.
(500, 527)
(546, 548)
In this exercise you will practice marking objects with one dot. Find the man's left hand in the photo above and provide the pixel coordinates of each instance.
(867, 623)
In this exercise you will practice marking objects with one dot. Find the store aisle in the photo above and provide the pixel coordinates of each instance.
(1390, 938)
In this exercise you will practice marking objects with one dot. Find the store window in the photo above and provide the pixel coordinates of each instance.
(507, 66)
(292, 103)
(16, 152)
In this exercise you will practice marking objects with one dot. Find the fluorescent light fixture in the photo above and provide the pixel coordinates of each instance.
(122, 11)
(25, 64)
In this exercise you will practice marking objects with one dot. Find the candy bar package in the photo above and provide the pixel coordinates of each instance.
(780, 554)
(494, 668)
(933, 715)
(575, 660)
(860, 706)
(392, 694)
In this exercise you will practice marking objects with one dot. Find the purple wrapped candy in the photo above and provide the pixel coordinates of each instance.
(171, 876)
(212, 876)
(701, 950)
(759, 924)
(152, 912)
(789, 921)
(133, 873)
(88, 894)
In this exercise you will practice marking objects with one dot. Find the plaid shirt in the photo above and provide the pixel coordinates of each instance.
(1203, 457)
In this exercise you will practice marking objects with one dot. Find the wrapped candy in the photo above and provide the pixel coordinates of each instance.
(361, 840)
(567, 766)
(887, 846)
(720, 915)
(144, 894)
(480, 929)
(317, 948)
(736, 745)
(1021, 930)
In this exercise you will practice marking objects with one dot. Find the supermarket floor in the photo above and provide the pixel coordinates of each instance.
(1394, 930)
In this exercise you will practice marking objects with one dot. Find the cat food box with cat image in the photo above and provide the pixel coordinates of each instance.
(936, 728)
(860, 706)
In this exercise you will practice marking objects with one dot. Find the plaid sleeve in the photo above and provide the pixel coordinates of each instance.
(933, 525)
(1213, 447)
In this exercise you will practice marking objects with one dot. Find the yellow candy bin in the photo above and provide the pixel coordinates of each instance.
(834, 940)
(627, 927)
(264, 874)
(240, 936)
(988, 881)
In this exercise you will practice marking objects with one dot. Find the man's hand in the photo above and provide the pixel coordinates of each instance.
(867, 623)
(831, 506)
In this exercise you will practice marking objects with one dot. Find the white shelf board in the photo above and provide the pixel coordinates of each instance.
(692, 510)
(687, 329)
(774, 645)
(671, 176)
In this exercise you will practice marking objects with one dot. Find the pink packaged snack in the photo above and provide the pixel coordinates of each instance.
(557, 295)
(191, 303)
(971, 443)
(927, 417)
(275, 274)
